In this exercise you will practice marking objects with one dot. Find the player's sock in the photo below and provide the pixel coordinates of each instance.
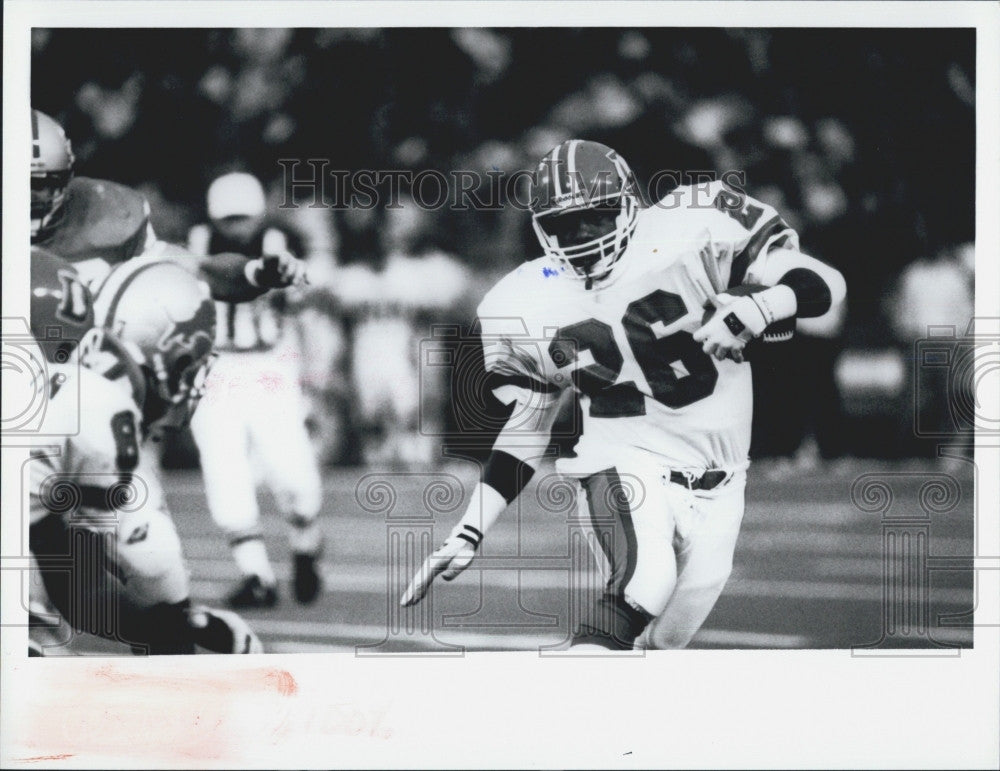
(250, 555)
(306, 541)
(304, 535)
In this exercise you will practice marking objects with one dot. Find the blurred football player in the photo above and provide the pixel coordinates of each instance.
(109, 555)
(616, 309)
(251, 426)
(96, 224)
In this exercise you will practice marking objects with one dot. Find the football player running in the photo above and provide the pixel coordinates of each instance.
(253, 414)
(108, 552)
(646, 313)
(96, 224)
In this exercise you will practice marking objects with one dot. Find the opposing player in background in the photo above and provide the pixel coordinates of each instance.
(251, 427)
(665, 390)
(393, 303)
(109, 555)
(96, 224)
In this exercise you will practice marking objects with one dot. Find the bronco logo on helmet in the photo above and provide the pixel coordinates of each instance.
(164, 318)
(577, 182)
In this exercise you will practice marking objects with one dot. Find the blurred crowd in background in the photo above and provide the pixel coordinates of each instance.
(864, 141)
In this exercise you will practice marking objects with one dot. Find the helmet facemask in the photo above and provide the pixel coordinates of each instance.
(588, 256)
(48, 191)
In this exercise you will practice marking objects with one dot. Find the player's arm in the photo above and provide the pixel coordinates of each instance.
(512, 462)
(795, 286)
(233, 277)
(789, 285)
(515, 456)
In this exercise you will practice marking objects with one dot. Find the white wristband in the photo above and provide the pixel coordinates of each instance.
(776, 303)
(250, 271)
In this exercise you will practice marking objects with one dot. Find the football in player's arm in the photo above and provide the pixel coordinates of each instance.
(659, 410)
(96, 224)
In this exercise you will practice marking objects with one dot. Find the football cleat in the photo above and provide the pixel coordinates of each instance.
(584, 207)
(51, 170)
(252, 593)
(222, 631)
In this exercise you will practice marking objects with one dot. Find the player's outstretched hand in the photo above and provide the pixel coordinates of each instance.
(450, 559)
(274, 271)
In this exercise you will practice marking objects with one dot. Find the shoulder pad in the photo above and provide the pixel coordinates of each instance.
(100, 219)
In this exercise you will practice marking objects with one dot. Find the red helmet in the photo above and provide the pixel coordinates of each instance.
(51, 170)
(62, 310)
(584, 206)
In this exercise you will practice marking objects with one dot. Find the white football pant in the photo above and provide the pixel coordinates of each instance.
(250, 428)
(661, 547)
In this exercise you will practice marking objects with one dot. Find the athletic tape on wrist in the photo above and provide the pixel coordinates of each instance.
(471, 534)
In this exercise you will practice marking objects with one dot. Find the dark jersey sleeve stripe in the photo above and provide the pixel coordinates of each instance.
(749, 253)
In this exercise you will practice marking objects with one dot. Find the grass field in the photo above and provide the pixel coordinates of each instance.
(812, 569)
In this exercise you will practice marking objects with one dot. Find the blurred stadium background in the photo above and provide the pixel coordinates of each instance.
(864, 140)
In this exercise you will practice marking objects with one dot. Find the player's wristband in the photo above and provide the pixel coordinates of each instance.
(812, 293)
(506, 474)
(776, 303)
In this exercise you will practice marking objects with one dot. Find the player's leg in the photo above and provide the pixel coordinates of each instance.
(631, 519)
(220, 429)
(705, 546)
(281, 443)
(71, 566)
(83, 576)
(158, 616)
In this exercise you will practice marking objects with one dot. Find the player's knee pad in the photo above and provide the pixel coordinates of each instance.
(615, 624)
(152, 563)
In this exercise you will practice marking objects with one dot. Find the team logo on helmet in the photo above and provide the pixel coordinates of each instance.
(191, 334)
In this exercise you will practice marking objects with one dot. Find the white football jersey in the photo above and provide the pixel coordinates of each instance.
(644, 386)
(82, 474)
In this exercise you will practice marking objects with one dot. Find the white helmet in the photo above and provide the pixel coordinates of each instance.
(237, 194)
(163, 317)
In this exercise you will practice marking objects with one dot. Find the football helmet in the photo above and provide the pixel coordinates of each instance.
(62, 309)
(51, 170)
(164, 319)
(584, 207)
